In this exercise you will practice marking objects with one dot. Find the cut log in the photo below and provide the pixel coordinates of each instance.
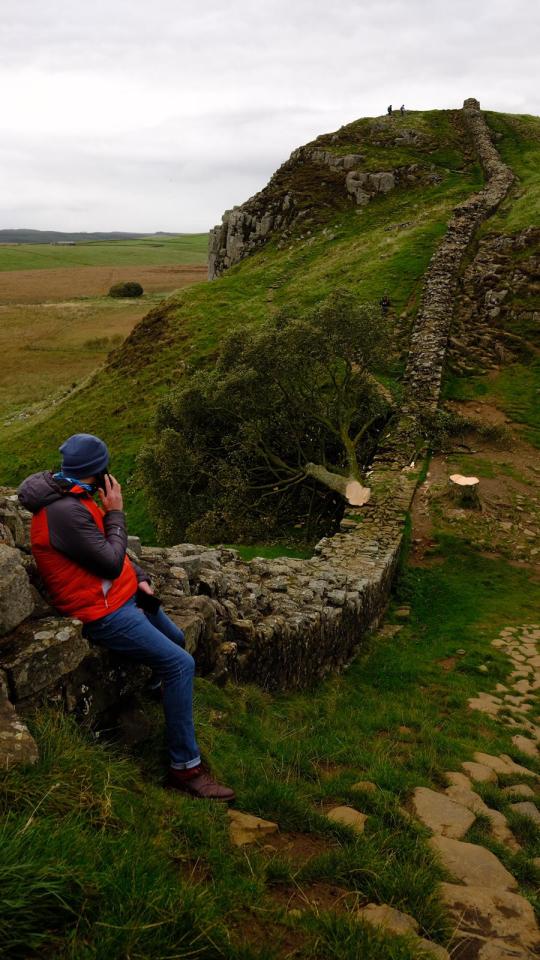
(464, 490)
(351, 489)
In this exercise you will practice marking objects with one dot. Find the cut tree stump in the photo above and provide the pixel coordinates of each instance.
(464, 490)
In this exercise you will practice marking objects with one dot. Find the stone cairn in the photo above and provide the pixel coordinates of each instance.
(282, 623)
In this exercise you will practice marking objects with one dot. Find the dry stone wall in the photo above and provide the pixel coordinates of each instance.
(283, 623)
(432, 327)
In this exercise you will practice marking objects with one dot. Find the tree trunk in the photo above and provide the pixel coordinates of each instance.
(349, 487)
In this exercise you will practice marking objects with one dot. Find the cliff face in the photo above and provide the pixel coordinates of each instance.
(315, 181)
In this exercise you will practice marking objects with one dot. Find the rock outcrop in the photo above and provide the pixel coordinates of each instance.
(281, 207)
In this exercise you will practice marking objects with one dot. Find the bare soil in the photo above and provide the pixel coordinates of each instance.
(316, 897)
(65, 283)
(508, 523)
(299, 848)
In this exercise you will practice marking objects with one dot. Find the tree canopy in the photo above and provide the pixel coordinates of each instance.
(274, 433)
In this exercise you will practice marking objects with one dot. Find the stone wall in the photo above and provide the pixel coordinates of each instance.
(499, 289)
(432, 327)
(283, 623)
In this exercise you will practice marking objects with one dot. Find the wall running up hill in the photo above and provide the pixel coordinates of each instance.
(282, 623)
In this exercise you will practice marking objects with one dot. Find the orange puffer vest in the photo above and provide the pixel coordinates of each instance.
(75, 591)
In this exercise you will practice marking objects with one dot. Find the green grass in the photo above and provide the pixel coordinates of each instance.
(188, 248)
(515, 389)
(99, 861)
(518, 142)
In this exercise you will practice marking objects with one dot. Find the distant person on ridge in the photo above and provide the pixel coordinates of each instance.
(385, 304)
(80, 552)
(402, 109)
(389, 110)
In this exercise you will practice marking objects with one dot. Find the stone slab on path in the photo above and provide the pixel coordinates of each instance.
(246, 828)
(479, 772)
(490, 924)
(519, 790)
(441, 814)
(485, 703)
(348, 817)
(472, 864)
(503, 765)
(527, 809)
(525, 745)
(387, 918)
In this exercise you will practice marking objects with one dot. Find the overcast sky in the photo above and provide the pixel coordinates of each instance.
(159, 114)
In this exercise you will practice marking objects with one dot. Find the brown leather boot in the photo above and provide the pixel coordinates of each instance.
(200, 784)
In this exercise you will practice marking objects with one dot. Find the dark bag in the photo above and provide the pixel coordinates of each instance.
(147, 601)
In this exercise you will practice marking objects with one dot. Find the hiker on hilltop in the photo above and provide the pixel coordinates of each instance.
(389, 110)
(80, 551)
(402, 109)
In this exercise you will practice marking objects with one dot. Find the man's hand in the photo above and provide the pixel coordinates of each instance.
(111, 499)
(145, 586)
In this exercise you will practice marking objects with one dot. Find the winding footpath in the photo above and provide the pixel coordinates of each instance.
(493, 921)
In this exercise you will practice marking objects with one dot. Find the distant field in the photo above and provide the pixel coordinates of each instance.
(57, 323)
(69, 282)
(189, 248)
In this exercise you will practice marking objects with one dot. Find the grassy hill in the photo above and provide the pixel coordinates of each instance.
(385, 247)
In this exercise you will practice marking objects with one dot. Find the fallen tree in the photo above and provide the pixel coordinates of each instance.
(278, 433)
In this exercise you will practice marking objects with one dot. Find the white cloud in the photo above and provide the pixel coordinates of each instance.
(127, 115)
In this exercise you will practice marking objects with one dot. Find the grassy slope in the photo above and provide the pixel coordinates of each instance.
(516, 388)
(186, 248)
(98, 861)
(385, 247)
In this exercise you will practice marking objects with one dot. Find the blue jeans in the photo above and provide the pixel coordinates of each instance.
(153, 639)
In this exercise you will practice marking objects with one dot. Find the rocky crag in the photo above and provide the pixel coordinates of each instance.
(282, 623)
(280, 209)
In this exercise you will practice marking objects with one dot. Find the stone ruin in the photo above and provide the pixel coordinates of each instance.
(281, 623)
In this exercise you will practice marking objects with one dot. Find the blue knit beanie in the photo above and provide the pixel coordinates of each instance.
(83, 455)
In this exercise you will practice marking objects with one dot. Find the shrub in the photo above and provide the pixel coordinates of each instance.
(128, 289)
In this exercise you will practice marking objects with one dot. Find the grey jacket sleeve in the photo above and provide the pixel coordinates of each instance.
(74, 532)
(141, 575)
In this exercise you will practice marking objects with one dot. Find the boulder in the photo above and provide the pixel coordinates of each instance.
(16, 600)
(365, 785)
(382, 182)
(388, 918)
(504, 765)
(348, 817)
(527, 809)
(473, 865)
(489, 920)
(519, 790)
(441, 814)
(479, 772)
(525, 745)
(41, 653)
(192, 626)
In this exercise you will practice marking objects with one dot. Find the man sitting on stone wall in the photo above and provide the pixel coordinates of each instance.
(80, 551)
